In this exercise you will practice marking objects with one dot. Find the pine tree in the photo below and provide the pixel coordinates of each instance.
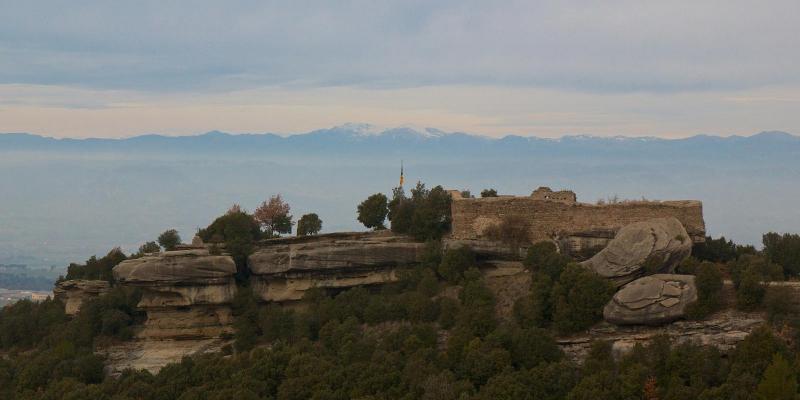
(779, 382)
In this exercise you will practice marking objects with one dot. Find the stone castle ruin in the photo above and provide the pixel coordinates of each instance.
(576, 227)
(188, 293)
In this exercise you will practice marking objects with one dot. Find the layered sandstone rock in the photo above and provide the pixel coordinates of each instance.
(723, 330)
(651, 300)
(152, 355)
(284, 269)
(186, 293)
(487, 249)
(76, 292)
(642, 248)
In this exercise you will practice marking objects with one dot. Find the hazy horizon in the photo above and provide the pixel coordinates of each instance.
(376, 130)
(65, 200)
(92, 69)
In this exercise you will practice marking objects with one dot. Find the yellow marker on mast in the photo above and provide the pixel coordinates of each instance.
(402, 179)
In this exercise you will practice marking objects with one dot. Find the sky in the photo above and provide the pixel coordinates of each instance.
(545, 68)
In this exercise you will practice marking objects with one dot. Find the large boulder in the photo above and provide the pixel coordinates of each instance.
(642, 248)
(651, 300)
(186, 293)
(75, 292)
(284, 269)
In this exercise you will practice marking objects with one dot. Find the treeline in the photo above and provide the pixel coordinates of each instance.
(751, 270)
(425, 214)
(42, 349)
(432, 335)
(235, 232)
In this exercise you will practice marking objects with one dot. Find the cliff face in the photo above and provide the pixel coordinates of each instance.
(284, 269)
(186, 293)
(74, 293)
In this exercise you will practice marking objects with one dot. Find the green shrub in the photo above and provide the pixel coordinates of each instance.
(783, 250)
(169, 239)
(238, 230)
(544, 257)
(579, 298)
(759, 265)
(688, 266)
(750, 291)
(448, 311)
(531, 347)
(536, 309)
(97, 268)
(708, 280)
(779, 303)
(277, 323)
(309, 224)
(779, 382)
(372, 211)
(455, 262)
(426, 215)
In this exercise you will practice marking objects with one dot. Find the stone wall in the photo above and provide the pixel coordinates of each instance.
(554, 219)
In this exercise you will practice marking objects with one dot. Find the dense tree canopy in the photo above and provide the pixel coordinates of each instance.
(433, 334)
(169, 239)
(372, 211)
(425, 215)
(309, 224)
(97, 268)
(236, 231)
(783, 250)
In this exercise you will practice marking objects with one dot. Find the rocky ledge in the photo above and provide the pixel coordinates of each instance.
(722, 330)
(486, 249)
(73, 293)
(284, 269)
(186, 293)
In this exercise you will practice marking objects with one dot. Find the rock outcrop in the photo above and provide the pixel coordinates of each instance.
(186, 293)
(74, 293)
(284, 269)
(651, 300)
(642, 248)
(487, 249)
(722, 330)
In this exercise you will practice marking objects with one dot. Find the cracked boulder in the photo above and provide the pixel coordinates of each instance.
(651, 300)
(642, 248)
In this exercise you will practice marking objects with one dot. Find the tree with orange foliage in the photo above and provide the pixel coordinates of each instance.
(274, 217)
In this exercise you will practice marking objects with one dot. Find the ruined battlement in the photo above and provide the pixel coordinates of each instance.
(545, 193)
(558, 216)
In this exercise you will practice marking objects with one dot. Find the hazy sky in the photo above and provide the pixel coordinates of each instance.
(670, 68)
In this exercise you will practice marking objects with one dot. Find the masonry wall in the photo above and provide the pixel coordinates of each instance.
(552, 219)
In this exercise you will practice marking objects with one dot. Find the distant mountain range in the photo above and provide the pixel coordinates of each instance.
(356, 138)
(66, 199)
